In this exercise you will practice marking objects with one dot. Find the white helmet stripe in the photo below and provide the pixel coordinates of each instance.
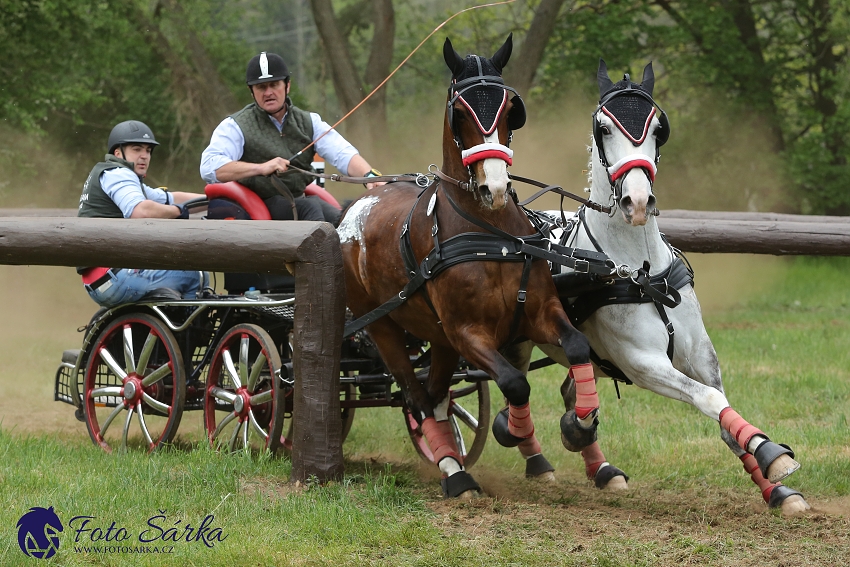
(264, 66)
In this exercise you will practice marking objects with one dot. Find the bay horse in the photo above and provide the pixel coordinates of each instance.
(473, 299)
(647, 327)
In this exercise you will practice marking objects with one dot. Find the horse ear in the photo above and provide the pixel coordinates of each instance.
(452, 57)
(503, 55)
(605, 82)
(648, 82)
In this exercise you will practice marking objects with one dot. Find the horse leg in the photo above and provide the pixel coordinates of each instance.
(513, 426)
(536, 465)
(654, 372)
(775, 494)
(596, 467)
(456, 482)
(579, 423)
(389, 337)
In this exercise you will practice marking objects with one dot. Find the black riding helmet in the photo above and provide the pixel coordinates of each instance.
(265, 68)
(130, 132)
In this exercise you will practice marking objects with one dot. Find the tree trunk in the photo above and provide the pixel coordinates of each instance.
(202, 99)
(520, 72)
(372, 117)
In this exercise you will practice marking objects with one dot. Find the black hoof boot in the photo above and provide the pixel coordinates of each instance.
(460, 482)
(501, 433)
(768, 452)
(537, 465)
(573, 435)
(779, 494)
(605, 474)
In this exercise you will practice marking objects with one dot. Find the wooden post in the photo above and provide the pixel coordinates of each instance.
(232, 246)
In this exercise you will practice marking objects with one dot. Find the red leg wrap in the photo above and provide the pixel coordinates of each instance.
(593, 459)
(529, 447)
(519, 421)
(440, 439)
(740, 429)
(752, 467)
(587, 399)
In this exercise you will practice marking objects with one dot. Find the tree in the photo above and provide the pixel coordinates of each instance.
(350, 89)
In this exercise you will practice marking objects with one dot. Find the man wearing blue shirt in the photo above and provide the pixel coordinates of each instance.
(264, 138)
(114, 189)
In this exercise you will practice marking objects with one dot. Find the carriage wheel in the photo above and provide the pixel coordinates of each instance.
(149, 388)
(469, 416)
(243, 404)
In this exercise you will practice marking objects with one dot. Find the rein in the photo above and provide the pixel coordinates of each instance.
(560, 191)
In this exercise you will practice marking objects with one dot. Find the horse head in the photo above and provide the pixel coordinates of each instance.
(481, 113)
(628, 129)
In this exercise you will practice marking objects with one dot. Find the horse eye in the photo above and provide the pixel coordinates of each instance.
(606, 130)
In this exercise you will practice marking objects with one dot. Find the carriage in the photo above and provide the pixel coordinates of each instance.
(141, 365)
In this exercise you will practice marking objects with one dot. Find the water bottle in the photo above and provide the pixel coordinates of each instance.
(252, 293)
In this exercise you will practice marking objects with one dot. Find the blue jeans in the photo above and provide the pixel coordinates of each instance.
(129, 285)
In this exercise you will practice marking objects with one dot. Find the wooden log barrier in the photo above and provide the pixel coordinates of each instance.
(757, 237)
(232, 246)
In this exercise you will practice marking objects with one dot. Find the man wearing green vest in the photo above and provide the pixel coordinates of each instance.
(115, 189)
(262, 138)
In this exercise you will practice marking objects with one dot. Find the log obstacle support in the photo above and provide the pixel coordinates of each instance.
(233, 246)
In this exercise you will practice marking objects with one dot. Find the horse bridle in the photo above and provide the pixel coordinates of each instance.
(515, 120)
(617, 172)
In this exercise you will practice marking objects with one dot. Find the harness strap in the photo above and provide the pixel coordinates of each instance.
(520, 299)
(537, 245)
(560, 191)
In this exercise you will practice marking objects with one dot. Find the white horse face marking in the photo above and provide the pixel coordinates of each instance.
(492, 176)
(636, 201)
(351, 227)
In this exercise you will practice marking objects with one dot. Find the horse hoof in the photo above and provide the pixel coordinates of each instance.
(788, 499)
(782, 467)
(548, 476)
(500, 431)
(794, 505)
(776, 461)
(459, 485)
(468, 495)
(609, 477)
(575, 437)
(617, 483)
(537, 466)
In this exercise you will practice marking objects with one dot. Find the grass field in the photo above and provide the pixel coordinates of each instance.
(785, 354)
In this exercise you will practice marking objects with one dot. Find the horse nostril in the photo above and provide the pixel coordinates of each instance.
(650, 203)
(484, 188)
(625, 202)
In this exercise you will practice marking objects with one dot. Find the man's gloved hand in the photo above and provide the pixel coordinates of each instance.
(184, 212)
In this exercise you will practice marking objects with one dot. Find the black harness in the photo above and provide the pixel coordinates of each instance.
(494, 245)
(661, 290)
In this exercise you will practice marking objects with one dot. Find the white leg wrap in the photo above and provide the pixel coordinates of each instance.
(449, 466)
(441, 410)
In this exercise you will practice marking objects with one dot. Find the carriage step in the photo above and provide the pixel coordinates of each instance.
(70, 356)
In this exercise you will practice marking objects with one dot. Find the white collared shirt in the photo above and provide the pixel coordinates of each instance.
(228, 142)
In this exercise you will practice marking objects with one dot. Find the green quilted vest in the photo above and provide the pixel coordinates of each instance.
(94, 202)
(263, 142)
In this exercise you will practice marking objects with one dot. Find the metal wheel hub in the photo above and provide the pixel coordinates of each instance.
(242, 403)
(133, 390)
